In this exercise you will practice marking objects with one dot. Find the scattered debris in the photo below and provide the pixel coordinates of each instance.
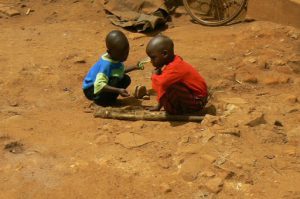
(14, 147)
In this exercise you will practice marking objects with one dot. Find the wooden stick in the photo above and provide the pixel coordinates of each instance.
(134, 116)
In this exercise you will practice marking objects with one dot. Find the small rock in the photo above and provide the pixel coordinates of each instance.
(230, 108)
(210, 120)
(272, 80)
(166, 188)
(278, 123)
(207, 135)
(13, 103)
(190, 168)
(208, 174)
(252, 60)
(292, 99)
(214, 185)
(231, 131)
(257, 120)
(79, 60)
(250, 79)
(279, 62)
(9, 11)
(293, 35)
(270, 156)
(165, 163)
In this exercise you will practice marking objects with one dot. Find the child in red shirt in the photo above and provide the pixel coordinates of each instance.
(180, 88)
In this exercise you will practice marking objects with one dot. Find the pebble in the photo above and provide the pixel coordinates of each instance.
(166, 188)
(8, 11)
(270, 156)
(258, 119)
(292, 99)
(214, 185)
(278, 123)
(272, 80)
(79, 60)
(210, 120)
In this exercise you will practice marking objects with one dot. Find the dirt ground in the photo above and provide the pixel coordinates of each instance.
(51, 146)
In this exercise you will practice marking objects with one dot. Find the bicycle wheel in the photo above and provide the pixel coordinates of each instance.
(214, 12)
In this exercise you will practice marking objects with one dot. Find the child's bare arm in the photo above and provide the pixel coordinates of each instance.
(132, 68)
(123, 92)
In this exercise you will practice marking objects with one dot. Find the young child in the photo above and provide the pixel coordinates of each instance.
(107, 79)
(180, 88)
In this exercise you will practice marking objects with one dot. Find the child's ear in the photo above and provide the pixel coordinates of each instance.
(165, 53)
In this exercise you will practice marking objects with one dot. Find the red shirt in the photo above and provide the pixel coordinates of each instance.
(179, 71)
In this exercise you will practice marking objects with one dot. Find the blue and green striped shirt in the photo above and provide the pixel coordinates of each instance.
(98, 76)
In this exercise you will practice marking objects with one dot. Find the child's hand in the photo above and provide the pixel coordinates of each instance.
(123, 92)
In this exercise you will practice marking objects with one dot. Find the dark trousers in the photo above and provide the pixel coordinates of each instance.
(107, 98)
(179, 99)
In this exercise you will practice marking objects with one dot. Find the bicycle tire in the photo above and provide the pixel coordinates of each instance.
(218, 23)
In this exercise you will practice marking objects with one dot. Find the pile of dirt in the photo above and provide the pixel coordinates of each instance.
(53, 147)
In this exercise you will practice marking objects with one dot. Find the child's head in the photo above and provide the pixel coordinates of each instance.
(117, 45)
(161, 50)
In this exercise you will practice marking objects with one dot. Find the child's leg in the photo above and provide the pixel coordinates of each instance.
(107, 98)
(180, 100)
(89, 93)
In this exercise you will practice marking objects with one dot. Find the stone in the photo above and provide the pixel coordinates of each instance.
(165, 163)
(8, 11)
(273, 80)
(190, 168)
(250, 79)
(252, 60)
(291, 99)
(79, 60)
(278, 123)
(293, 35)
(207, 135)
(208, 174)
(131, 140)
(210, 120)
(214, 185)
(279, 62)
(166, 188)
(270, 156)
(256, 120)
(230, 131)
(230, 108)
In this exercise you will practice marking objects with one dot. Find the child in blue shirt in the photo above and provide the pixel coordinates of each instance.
(107, 79)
